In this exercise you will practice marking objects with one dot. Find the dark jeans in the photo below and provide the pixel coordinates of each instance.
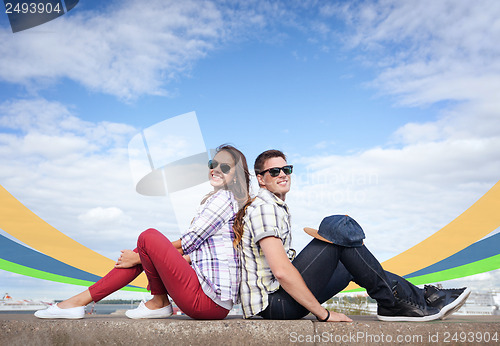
(328, 268)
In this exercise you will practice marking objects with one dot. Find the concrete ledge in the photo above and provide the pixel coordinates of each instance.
(20, 329)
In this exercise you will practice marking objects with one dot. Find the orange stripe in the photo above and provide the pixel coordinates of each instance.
(23, 224)
(482, 218)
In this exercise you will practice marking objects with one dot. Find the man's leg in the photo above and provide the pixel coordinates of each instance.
(446, 300)
(364, 268)
(410, 290)
(317, 263)
(341, 278)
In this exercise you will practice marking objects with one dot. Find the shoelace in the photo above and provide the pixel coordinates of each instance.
(411, 302)
(408, 300)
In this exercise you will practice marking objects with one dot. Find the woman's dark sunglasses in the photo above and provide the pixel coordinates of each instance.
(224, 167)
(275, 171)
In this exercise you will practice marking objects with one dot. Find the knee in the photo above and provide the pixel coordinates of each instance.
(147, 235)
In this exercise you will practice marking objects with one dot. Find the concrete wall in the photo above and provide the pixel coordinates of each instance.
(365, 330)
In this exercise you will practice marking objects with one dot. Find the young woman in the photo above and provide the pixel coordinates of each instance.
(200, 271)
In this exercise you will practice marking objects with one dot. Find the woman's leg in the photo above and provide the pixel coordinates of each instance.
(168, 271)
(73, 307)
(116, 279)
(111, 282)
(81, 299)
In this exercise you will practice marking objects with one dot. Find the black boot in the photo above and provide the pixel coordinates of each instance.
(447, 300)
(406, 310)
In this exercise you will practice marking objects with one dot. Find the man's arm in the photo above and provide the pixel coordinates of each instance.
(291, 280)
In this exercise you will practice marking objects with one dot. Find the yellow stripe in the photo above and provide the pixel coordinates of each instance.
(23, 224)
(482, 218)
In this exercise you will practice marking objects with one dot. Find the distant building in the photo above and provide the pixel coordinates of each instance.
(481, 303)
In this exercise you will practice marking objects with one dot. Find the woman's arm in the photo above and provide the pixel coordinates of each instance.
(128, 259)
(216, 211)
(178, 245)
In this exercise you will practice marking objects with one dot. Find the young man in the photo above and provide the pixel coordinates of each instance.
(275, 285)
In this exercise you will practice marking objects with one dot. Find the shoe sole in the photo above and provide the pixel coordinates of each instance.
(409, 318)
(454, 306)
(61, 317)
(147, 317)
(144, 316)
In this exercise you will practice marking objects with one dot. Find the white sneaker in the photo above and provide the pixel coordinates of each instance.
(142, 311)
(54, 311)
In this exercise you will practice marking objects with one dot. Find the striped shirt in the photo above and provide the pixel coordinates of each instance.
(209, 243)
(267, 216)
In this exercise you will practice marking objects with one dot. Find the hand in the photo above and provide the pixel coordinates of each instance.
(338, 317)
(128, 259)
(178, 245)
(187, 258)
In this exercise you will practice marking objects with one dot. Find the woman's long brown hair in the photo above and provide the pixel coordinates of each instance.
(241, 187)
(238, 222)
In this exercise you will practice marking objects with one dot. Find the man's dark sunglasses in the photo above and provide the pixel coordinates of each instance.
(224, 167)
(275, 171)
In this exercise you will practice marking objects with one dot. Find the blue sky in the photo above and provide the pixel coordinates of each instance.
(387, 109)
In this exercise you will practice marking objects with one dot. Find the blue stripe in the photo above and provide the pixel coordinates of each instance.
(20, 254)
(479, 250)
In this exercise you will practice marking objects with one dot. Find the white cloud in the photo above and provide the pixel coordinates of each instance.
(322, 144)
(39, 115)
(101, 215)
(427, 51)
(127, 50)
(409, 192)
(76, 176)
(473, 119)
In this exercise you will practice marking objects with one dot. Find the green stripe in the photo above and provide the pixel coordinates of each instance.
(23, 270)
(481, 266)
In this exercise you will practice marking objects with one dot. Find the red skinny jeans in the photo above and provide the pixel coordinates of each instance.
(168, 273)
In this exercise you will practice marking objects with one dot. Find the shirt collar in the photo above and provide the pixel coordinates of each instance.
(270, 197)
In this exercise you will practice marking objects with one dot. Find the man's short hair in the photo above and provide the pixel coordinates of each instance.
(266, 155)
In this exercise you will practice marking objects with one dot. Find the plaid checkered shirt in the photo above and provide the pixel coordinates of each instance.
(209, 243)
(267, 216)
